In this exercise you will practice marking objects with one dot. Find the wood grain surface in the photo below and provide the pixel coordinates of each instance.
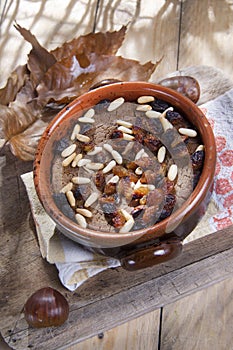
(188, 313)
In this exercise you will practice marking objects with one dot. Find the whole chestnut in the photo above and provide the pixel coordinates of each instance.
(46, 308)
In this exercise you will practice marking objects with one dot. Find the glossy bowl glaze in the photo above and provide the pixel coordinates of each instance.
(145, 247)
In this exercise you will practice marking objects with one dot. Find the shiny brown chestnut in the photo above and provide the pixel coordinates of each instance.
(185, 85)
(46, 308)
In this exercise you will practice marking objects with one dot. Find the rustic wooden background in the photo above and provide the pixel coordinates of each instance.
(188, 32)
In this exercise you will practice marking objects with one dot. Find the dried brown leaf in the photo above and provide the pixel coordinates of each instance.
(100, 43)
(39, 59)
(66, 80)
(14, 83)
(22, 124)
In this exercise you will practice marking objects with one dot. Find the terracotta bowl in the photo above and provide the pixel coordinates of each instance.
(143, 247)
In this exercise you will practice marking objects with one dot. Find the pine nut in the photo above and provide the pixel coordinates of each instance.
(161, 154)
(68, 160)
(143, 108)
(145, 99)
(187, 132)
(94, 166)
(132, 185)
(91, 199)
(83, 162)
(85, 212)
(81, 220)
(165, 123)
(67, 187)
(172, 172)
(151, 187)
(70, 198)
(200, 148)
(75, 131)
(139, 171)
(138, 184)
(115, 104)
(89, 113)
(125, 130)
(127, 226)
(68, 150)
(109, 166)
(124, 123)
(126, 215)
(108, 147)
(86, 120)
(83, 138)
(76, 160)
(166, 110)
(78, 180)
(118, 158)
(114, 179)
(95, 151)
(128, 137)
(153, 114)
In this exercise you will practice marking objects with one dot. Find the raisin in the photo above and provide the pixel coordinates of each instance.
(159, 105)
(152, 142)
(131, 166)
(170, 201)
(88, 146)
(120, 171)
(77, 193)
(110, 188)
(197, 159)
(176, 119)
(133, 177)
(118, 220)
(116, 134)
(170, 186)
(100, 180)
(139, 133)
(140, 192)
(124, 188)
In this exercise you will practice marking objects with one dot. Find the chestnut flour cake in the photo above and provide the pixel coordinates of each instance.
(127, 165)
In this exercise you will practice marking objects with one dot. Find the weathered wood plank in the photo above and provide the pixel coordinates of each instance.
(206, 34)
(139, 334)
(92, 313)
(153, 30)
(200, 321)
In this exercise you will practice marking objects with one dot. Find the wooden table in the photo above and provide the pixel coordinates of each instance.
(171, 306)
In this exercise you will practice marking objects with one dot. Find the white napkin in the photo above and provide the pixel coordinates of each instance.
(75, 264)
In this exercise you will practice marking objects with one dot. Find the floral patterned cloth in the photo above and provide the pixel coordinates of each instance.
(219, 214)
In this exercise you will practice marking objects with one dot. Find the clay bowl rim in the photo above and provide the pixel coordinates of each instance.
(111, 92)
